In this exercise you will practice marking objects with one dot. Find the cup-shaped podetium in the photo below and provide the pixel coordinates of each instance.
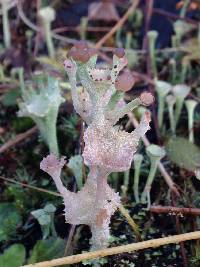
(191, 105)
(162, 89)
(181, 28)
(152, 36)
(180, 91)
(5, 22)
(42, 107)
(171, 100)
(179, 31)
(47, 16)
(155, 154)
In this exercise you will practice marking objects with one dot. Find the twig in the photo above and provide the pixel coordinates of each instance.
(77, 29)
(174, 16)
(149, 63)
(178, 229)
(29, 186)
(175, 210)
(18, 138)
(119, 24)
(143, 77)
(69, 239)
(120, 249)
(38, 29)
(162, 169)
(149, 12)
(194, 97)
(5, 87)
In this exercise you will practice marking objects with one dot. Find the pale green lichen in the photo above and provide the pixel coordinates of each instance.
(42, 106)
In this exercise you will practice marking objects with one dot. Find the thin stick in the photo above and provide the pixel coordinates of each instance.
(178, 229)
(149, 12)
(143, 77)
(77, 29)
(119, 24)
(174, 16)
(18, 138)
(29, 186)
(69, 239)
(175, 210)
(38, 29)
(120, 249)
(162, 169)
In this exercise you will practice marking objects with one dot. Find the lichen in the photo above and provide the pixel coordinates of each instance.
(107, 149)
(42, 106)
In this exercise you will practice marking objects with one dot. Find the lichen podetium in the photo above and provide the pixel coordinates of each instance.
(107, 148)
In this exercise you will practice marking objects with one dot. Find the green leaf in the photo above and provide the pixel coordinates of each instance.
(183, 153)
(9, 219)
(50, 208)
(47, 250)
(75, 164)
(44, 219)
(38, 213)
(43, 215)
(14, 256)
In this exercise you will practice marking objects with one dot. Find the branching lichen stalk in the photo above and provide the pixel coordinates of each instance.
(107, 148)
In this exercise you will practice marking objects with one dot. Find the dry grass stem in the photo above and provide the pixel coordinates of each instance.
(117, 250)
(18, 138)
(118, 24)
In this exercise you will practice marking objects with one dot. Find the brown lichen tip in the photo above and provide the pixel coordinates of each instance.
(125, 81)
(119, 52)
(146, 98)
(81, 52)
(81, 45)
